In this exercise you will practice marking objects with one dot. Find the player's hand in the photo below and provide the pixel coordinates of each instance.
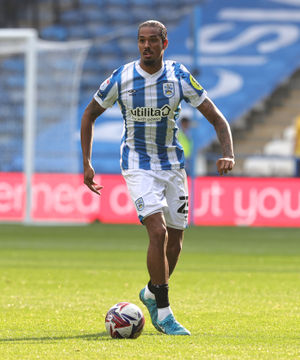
(89, 174)
(224, 165)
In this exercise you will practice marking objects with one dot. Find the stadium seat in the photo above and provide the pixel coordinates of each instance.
(16, 81)
(14, 64)
(279, 147)
(96, 29)
(282, 167)
(118, 16)
(71, 17)
(54, 32)
(7, 111)
(117, 2)
(93, 15)
(269, 166)
(91, 2)
(108, 47)
(138, 13)
(128, 46)
(78, 32)
(139, 2)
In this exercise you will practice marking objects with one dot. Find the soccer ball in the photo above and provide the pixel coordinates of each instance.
(124, 320)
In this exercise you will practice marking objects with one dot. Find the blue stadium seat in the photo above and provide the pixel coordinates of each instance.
(118, 16)
(91, 65)
(97, 29)
(129, 48)
(108, 48)
(92, 82)
(13, 64)
(91, 2)
(71, 17)
(6, 112)
(117, 2)
(15, 81)
(78, 31)
(101, 60)
(110, 64)
(93, 15)
(54, 32)
(140, 2)
(139, 14)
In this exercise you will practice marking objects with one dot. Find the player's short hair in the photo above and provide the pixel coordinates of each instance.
(154, 23)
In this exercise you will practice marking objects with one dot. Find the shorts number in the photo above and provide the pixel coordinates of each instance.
(184, 208)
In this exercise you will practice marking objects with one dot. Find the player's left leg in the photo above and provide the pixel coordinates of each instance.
(174, 247)
(176, 216)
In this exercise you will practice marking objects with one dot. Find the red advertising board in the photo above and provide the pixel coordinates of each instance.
(64, 198)
(217, 200)
(12, 196)
(247, 201)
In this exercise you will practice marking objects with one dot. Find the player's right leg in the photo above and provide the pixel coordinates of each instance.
(175, 216)
(157, 264)
(146, 191)
(148, 299)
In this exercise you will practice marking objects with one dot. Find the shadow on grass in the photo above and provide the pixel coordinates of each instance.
(97, 336)
(103, 336)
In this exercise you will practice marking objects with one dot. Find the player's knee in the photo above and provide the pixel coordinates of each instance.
(158, 234)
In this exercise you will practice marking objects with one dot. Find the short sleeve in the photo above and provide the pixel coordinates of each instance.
(193, 92)
(107, 93)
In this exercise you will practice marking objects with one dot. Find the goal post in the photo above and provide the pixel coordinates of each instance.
(25, 41)
(34, 94)
(30, 117)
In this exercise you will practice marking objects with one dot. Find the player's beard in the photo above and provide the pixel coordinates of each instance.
(148, 62)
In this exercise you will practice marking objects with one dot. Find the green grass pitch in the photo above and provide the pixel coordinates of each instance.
(236, 289)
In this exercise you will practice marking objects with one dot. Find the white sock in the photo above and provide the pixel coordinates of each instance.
(163, 313)
(148, 294)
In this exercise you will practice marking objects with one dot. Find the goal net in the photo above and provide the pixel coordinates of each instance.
(39, 95)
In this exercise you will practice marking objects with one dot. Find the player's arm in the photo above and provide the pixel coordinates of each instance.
(92, 111)
(217, 119)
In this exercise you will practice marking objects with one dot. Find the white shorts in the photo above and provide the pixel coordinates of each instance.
(159, 191)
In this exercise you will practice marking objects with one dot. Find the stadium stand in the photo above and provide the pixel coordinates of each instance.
(268, 133)
(244, 63)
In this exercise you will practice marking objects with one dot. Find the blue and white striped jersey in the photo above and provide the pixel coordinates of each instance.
(150, 105)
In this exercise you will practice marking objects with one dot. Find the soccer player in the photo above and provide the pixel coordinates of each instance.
(149, 92)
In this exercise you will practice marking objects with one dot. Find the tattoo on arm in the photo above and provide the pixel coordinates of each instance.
(225, 138)
(217, 119)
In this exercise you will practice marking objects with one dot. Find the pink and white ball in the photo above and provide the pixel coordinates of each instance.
(124, 320)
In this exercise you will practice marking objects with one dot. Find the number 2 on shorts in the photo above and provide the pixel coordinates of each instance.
(183, 209)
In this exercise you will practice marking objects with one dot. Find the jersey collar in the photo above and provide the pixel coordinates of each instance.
(146, 75)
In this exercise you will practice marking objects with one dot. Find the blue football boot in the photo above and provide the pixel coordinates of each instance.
(152, 308)
(170, 326)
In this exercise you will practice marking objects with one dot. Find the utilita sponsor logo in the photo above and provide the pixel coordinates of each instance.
(149, 113)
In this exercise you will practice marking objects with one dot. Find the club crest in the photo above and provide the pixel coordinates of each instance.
(168, 89)
(139, 203)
